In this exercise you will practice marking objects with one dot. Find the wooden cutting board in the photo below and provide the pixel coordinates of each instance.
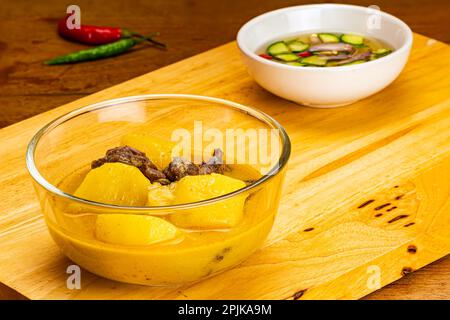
(366, 198)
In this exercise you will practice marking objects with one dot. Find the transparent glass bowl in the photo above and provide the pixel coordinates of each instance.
(68, 144)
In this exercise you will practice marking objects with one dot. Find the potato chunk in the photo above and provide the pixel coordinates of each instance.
(135, 230)
(223, 214)
(158, 150)
(159, 195)
(115, 183)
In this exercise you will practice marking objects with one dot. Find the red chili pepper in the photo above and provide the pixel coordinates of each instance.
(100, 35)
(304, 54)
(91, 34)
(266, 56)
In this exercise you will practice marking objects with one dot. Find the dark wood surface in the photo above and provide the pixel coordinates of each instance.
(28, 37)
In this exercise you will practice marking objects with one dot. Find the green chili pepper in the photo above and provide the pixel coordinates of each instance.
(103, 51)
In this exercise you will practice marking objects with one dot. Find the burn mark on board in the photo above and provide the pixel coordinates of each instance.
(364, 204)
(411, 249)
(382, 206)
(220, 256)
(399, 217)
(398, 203)
(299, 294)
(407, 270)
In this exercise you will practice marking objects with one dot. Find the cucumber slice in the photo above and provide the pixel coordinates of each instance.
(352, 39)
(382, 52)
(315, 61)
(328, 38)
(288, 57)
(278, 48)
(354, 62)
(295, 64)
(297, 46)
(331, 64)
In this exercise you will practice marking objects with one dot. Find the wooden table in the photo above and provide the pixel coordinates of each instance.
(27, 87)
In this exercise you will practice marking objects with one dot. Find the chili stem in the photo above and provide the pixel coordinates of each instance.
(157, 43)
(149, 38)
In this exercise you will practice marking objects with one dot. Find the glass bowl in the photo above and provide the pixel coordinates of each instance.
(59, 156)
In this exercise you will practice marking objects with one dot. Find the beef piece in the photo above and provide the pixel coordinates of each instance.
(155, 175)
(133, 157)
(214, 164)
(180, 168)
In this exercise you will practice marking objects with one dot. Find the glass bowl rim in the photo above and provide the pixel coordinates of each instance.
(255, 113)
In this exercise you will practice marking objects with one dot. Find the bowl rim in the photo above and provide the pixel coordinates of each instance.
(252, 55)
(259, 115)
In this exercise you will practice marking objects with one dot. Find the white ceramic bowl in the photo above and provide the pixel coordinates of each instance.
(324, 87)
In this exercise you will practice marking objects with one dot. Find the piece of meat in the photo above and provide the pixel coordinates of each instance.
(332, 47)
(214, 164)
(133, 157)
(355, 57)
(180, 167)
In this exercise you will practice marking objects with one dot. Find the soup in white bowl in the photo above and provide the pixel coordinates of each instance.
(325, 50)
(325, 87)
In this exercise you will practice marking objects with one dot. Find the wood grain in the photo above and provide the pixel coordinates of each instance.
(28, 36)
(394, 147)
